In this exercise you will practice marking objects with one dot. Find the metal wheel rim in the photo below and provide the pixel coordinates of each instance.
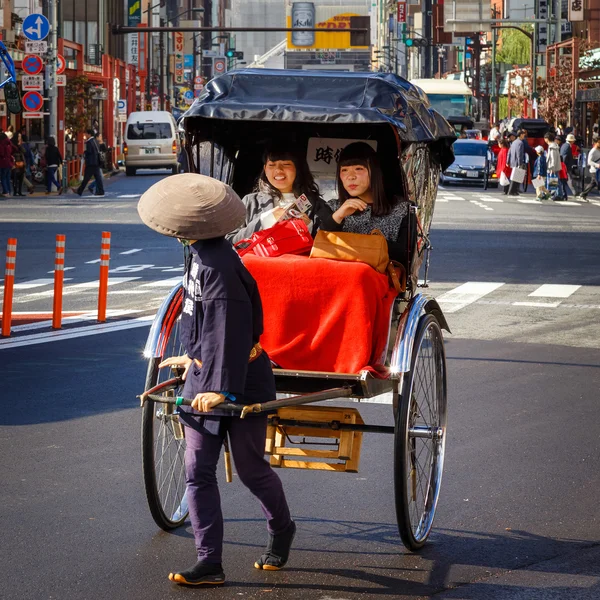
(169, 452)
(426, 411)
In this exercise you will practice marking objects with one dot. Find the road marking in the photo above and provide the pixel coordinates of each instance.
(126, 292)
(537, 304)
(34, 283)
(491, 199)
(65, 269)
(528, 201)
(87, 316)
(566, 203)
(466, 294)
(480, 205)
(91, 262)
(163, 283)
(441, 199)
(77, 287)
(132, 251)
(128, 196)
(550, 290)
(67, 334)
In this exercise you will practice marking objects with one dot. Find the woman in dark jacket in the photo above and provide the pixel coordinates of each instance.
(18, 172)
(54, 161)
(6, 163)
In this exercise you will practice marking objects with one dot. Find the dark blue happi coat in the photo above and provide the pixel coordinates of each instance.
(221, 321)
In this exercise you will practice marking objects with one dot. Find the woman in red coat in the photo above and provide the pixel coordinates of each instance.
(501, 166)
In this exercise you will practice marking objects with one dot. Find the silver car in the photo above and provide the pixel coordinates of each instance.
(474, 163)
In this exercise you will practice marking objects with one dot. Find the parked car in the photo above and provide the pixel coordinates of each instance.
(473, 162)
(151, 141)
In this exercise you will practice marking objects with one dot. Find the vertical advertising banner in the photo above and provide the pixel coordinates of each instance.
(134, 12)
(575, 10)
(401, 12)
(179, 57)
(133, 42)
(542, 28)
(142, 53)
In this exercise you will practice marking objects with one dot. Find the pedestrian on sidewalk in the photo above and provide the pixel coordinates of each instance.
(540, 170)
(101, 162)
(6, 163)
(553, 163)
(516, 159)
(92, 165)
(54, 162)
(593, 161)
(220, 329)
(502, 168)
(18, 172)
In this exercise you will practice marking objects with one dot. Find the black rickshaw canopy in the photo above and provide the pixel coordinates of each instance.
(322, 97)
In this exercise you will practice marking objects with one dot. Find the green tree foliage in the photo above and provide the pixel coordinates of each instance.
(516, 47)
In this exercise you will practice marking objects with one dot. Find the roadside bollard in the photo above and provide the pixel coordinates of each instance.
(103, 288)
(9, 281)
(59, 274)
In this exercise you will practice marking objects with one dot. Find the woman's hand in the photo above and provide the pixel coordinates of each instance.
(278, 213)
(349, 207)
(206, 401)
(178, 361)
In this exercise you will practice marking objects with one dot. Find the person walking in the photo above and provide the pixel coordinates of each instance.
(502, 167)
(540, 170)
(54, 162)
(101, 162)
(92, 165)
(553, 164)
(221, 325)
(6, 163)
(593, 161)
(18, 171)
(516, 159)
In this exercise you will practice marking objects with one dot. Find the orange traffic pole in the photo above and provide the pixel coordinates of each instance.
(9, 281)
(59, 274)
(103, 288)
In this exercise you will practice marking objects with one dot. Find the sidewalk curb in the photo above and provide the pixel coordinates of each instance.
(68, 191)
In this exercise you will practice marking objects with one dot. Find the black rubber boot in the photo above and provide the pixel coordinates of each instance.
(278, 550)
(200, 574)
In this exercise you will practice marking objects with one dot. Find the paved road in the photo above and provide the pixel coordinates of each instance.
(518, 517)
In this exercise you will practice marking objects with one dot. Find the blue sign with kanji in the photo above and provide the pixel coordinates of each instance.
(33, 101)
(36, 27)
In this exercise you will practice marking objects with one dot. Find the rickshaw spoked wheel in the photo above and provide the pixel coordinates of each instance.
(420, 436)
(163, 446)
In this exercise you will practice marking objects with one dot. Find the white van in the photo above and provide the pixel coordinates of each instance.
(151, 141)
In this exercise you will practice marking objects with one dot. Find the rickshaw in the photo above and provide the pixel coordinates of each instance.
(224, 129)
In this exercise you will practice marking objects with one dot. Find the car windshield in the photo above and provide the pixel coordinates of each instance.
(149, 131)
(470, 149)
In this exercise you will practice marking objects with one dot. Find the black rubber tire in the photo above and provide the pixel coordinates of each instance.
(130, 171)
(415, 531)
(152, 426)
(175, 170)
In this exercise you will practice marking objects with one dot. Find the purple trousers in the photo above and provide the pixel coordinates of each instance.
(247, 442)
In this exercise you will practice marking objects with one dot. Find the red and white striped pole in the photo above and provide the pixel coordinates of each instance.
(59, 274)
(103, 288)
(9, 281)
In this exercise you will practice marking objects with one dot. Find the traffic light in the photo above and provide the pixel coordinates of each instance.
(230, 53)
(416, 42)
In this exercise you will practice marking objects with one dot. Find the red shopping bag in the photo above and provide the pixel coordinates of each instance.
(285, 237)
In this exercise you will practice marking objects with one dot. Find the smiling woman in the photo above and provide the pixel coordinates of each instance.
(285, 177)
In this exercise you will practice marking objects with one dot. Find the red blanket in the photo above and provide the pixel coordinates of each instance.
(322, 315)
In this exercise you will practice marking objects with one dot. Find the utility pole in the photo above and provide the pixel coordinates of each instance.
(51, 70)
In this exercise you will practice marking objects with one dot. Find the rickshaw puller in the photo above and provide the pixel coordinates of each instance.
(221, 324)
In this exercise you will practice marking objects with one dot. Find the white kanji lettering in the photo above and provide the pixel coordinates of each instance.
(197, 291)
(188, 307)
(194, 271)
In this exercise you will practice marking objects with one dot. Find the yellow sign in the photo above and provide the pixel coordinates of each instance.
(329, 41)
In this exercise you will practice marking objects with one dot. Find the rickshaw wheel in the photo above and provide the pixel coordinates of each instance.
(420, 436)
(163, 447)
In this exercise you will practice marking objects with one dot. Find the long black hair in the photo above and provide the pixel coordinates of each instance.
(361, 153)
(304, 182)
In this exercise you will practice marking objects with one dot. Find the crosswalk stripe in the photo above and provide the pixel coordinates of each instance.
(528, 201)
(34, 283)
(466, 294)
(537, 304)
(491, 199)
(551, 290)
(132, 251)
(566, 203)
(163, 283)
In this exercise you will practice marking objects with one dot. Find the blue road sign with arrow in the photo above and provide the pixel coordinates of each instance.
(36, 27)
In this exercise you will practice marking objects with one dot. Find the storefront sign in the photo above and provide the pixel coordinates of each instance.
(32, 82)
(323, 153)
(591, 95)
(401, 12)
(179, 57)
(575, 10)
(133, 48)
(134, 13)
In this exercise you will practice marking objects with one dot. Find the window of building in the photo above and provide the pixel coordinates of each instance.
(68, 30)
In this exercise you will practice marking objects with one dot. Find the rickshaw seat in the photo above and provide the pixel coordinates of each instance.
(322, 315)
